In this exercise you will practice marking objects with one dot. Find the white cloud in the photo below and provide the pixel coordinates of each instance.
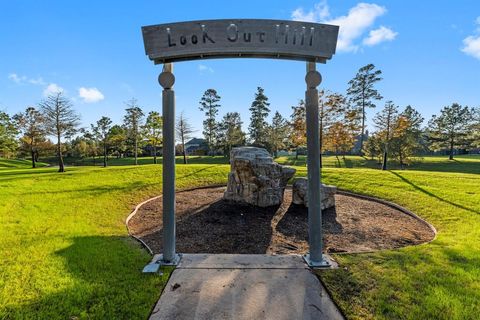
(204, 68)
(359, 19)
(90, 95)
(320, 11)
(16, 78)
(37, 81)
(379, 35)
(24, 79)
(52, 88)
(471, 44)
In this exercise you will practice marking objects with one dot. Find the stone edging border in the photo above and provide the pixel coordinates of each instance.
(339, 191)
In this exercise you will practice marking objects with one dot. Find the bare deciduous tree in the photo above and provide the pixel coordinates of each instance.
(60, 120)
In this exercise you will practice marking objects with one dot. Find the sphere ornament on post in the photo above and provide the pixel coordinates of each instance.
(166, 79)
(313, 79)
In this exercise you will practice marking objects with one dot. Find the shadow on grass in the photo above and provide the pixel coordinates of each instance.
(431, 194)
(103, 280)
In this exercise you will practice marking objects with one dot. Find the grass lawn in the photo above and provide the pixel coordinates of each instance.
(64, 251)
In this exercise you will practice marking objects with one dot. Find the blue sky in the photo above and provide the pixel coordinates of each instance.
(429, 52)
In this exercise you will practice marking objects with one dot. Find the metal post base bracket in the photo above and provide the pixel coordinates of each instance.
(158, 261)
(326, 263)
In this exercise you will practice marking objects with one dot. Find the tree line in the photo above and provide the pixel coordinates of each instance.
(52, 127)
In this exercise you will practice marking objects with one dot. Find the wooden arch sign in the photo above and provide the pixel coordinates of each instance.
(257, 38)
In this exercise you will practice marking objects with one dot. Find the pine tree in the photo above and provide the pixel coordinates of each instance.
(230, 132)
(278, 133)
(152, 130)
(451, 129)
(362, 93)
(101, 131)
(259, 112)
(385, 121)
(209, 104)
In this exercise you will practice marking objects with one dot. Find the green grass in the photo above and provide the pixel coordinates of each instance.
(18, 164)
(64, 251)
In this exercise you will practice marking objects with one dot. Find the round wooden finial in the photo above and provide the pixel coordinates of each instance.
(166, 79)
(313, 79)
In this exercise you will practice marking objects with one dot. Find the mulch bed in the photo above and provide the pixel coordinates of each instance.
(208, 224)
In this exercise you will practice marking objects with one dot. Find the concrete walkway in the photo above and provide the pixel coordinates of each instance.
(223, 286)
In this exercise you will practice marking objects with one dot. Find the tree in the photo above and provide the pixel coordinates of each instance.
(407, 135)
(92, 143)
(475, 130)
(331, 106)
(30, 125)
(152, 130)
(101, 130)
(184, 131)
(373, 147)
(362, 92)
(60, 120)
(133, 122)
(230, 132)
(384, 121)
(118, 140)
(278, 133)
(8, 133)
(259, 112)
(451, 128)
(298, 132)
(209, 104)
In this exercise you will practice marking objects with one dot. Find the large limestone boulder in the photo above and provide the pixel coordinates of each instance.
(300, 193)
(255, 178)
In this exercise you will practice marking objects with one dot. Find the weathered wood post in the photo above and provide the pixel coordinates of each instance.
(315, 257)
(166, 80)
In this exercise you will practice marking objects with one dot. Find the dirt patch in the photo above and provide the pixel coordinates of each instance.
(208, 224)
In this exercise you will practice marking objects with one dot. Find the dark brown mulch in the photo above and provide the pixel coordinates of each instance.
(208, 224)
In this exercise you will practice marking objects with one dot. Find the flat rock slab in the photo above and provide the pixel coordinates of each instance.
(244, 287)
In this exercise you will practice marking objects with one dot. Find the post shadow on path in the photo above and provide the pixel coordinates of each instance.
(432, 194)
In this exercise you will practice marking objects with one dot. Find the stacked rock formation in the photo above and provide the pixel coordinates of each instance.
(255, 178)
(300, 193)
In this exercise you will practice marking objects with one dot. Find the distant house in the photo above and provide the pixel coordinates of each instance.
(196, 146)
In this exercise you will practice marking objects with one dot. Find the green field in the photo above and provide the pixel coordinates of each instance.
(65, 253)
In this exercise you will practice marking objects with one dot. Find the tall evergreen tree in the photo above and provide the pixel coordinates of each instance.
(60, 120)
(8, 133)
(475, 130)
(384, 121)
(451, 128)
(152, 130)
(278, 133)
(209, 104)
(133, 121)
(230, 132)
(101, 130)
(259, 112)
(362, 93)
(30, 124)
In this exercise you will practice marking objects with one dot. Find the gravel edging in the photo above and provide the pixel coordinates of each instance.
(339, 191)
